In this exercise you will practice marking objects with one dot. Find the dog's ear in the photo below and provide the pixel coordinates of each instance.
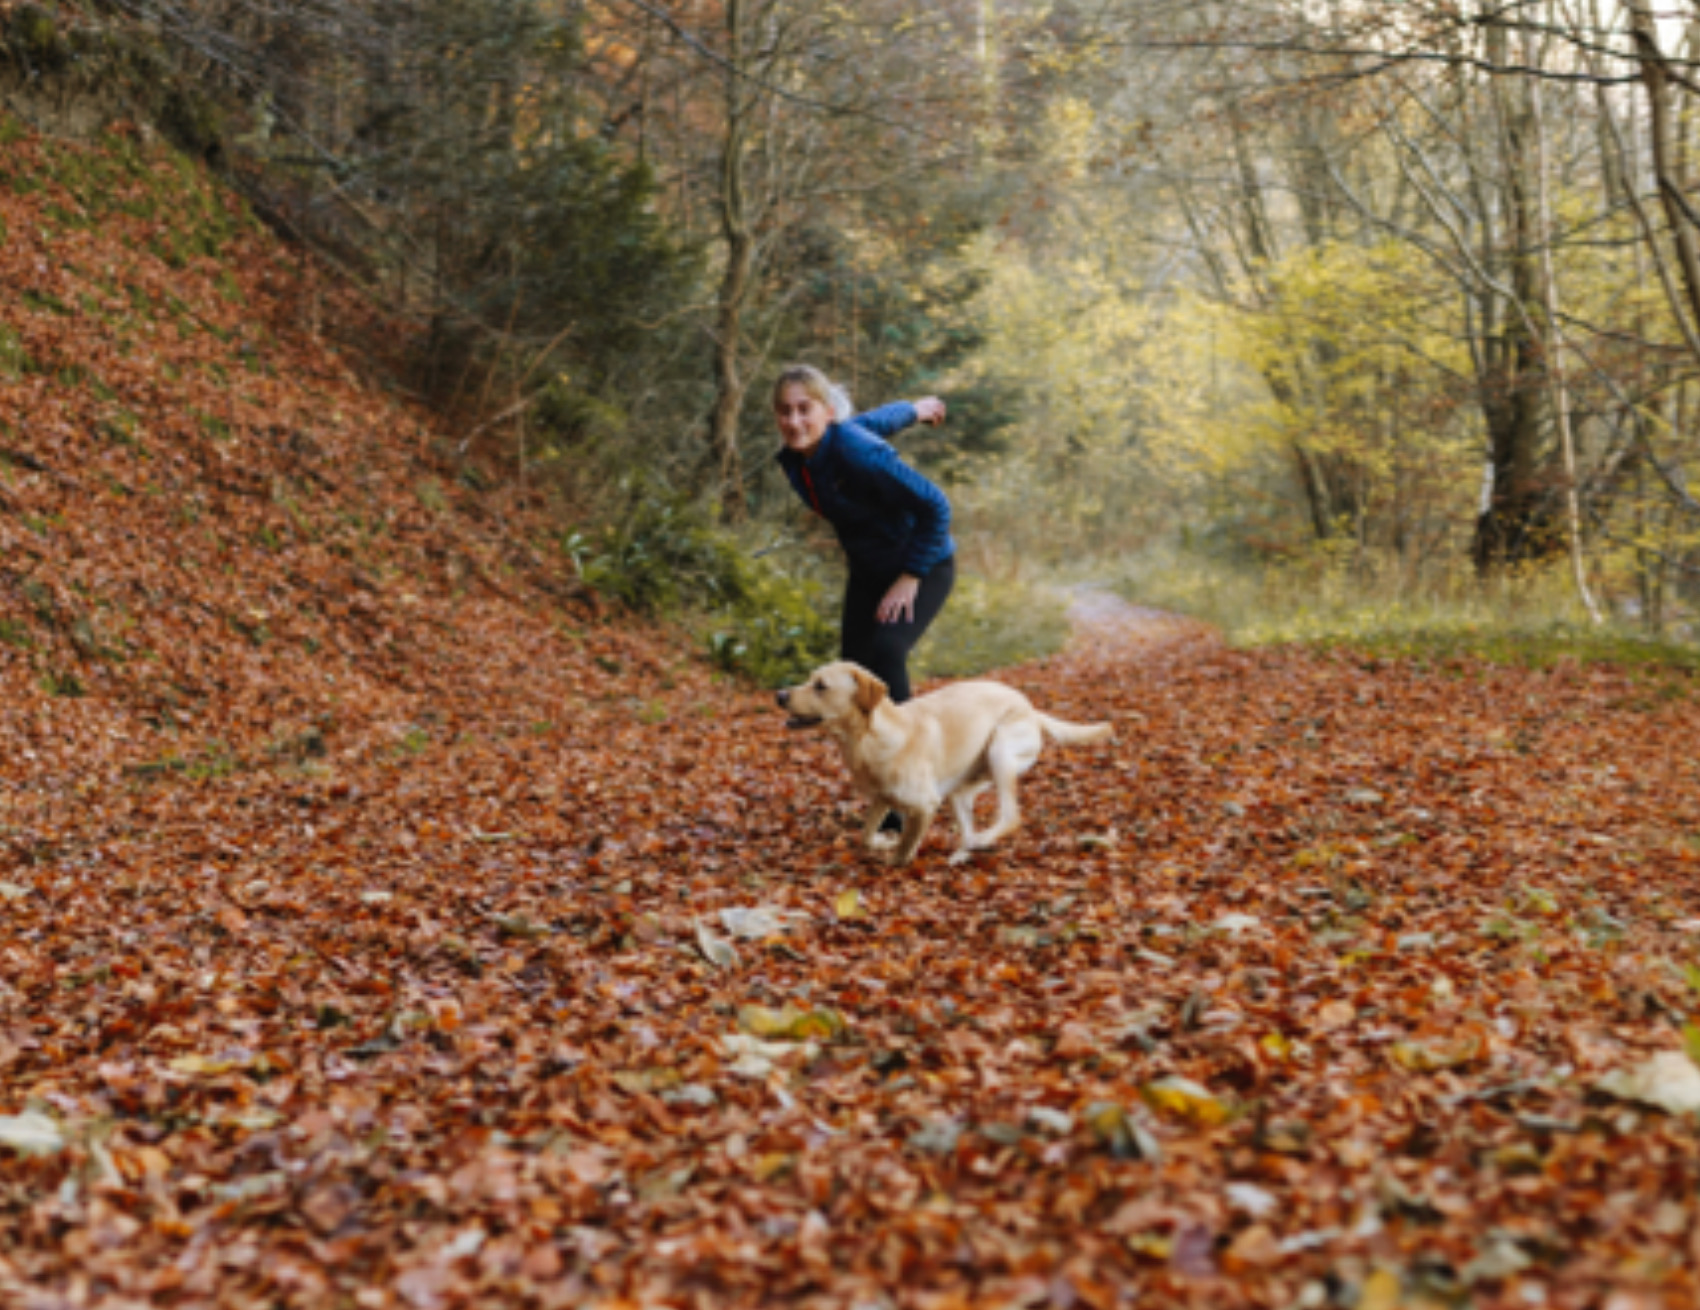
(870, 691)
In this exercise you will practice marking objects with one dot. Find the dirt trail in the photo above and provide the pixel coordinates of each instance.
(1108, 630)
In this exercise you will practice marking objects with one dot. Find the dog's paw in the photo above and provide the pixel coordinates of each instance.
(963, 854)
(883, 842)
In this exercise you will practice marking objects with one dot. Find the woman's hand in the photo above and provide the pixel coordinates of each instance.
(930, 410)
(898, 604)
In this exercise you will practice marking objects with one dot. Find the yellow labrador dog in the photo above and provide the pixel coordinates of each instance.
(950, 744)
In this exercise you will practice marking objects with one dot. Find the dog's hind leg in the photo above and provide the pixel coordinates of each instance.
(1012, 751)
(872, 837)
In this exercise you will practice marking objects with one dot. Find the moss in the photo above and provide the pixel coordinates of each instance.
(62, 683)
(45, 300)
(430, 493)
(120, 428)
(65, 220)
(14, 359)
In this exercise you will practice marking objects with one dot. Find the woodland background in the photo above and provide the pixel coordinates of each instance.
(1268, 309)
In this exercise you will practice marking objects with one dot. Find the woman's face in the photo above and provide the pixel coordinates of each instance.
(802, 419)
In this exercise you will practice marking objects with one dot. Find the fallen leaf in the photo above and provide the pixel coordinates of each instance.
(716, 950)
(1186, 1099)
(1425, 1057)
(818, 1024)
(757, 922)
(1669, 1081)
(31, 1133)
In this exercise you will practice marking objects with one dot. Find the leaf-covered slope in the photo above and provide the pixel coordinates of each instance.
(216, 534)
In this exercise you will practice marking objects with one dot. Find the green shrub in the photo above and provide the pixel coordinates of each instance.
(664, 556)
(776, 635)
(667, 558)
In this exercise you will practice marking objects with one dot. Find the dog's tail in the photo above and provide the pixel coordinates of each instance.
(1065, 733)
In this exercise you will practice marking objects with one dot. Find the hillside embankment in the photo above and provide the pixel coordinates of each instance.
(224, 541)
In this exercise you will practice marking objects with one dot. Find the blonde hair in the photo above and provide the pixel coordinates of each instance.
(818, 385)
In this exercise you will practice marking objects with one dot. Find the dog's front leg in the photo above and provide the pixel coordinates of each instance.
(915, 825)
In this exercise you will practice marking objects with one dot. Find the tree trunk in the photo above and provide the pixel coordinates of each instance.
(1555, 352)
(1515, 525)
(1330, 480)
(729, 382)
(1655, 76)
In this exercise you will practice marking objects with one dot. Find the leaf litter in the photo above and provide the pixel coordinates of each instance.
(366, 934)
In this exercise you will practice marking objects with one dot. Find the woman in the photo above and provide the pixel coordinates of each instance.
(894, 525)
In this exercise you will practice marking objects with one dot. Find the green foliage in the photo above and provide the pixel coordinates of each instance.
(546, 249)
(193, 121)
(1336, 597)
(665, 554)
(667, 558)
(777, 635)
(1537, 645)
(570, 417)
(992, 623)
(33, 40)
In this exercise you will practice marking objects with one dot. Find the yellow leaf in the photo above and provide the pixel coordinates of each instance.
(1154, 1246)
(1183, 1097)
(1380, 1291)
(647, 1080)
(819, 1024)
(204, 1066)
(1421, 1058)
(848, 904)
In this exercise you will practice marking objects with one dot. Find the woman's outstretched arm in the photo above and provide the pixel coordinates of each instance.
(888, 420)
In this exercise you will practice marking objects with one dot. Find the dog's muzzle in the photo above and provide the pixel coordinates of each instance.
(796, 720)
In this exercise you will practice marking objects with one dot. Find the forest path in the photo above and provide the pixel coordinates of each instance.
(1106, 629)
(586, 993)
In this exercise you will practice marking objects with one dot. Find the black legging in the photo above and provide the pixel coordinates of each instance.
(883, 648)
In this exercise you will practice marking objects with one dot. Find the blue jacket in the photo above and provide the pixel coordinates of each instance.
(889, 518)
